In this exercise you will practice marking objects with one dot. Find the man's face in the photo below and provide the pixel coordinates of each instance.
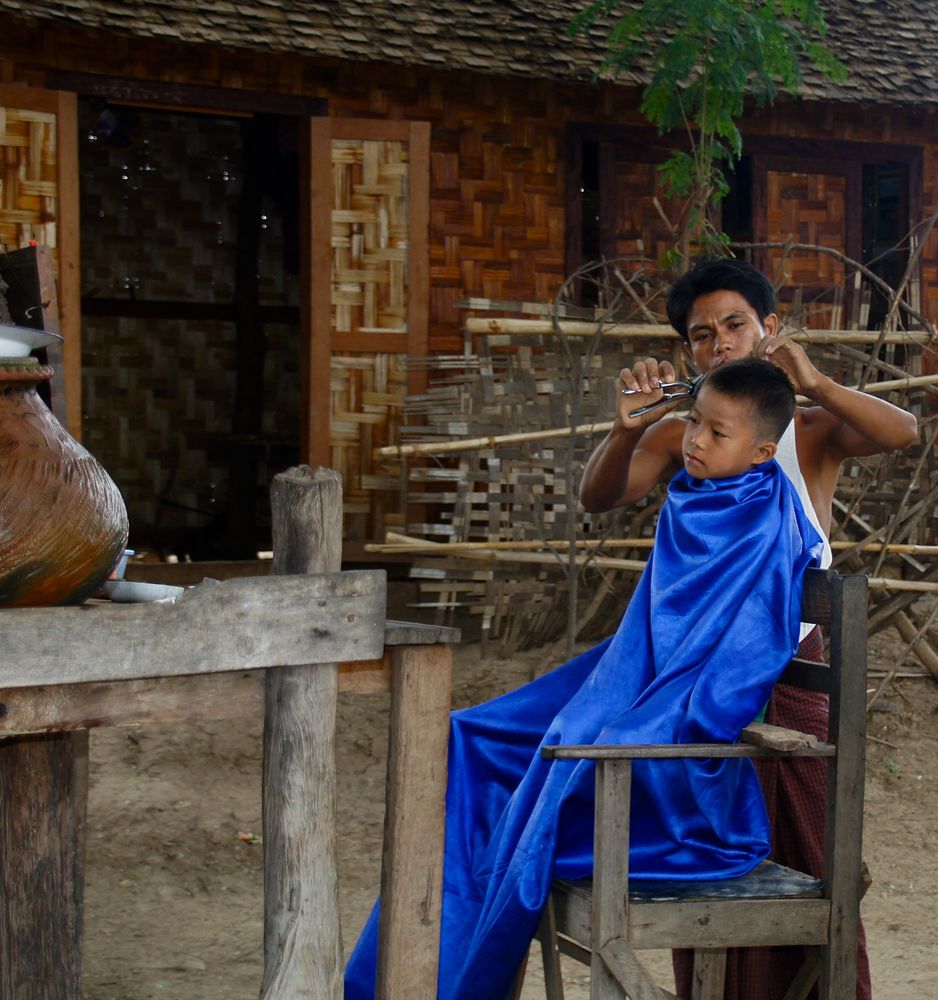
(720, 437)
(723, 326)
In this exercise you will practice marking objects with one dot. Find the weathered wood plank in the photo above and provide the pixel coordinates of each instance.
(550, 953)
(844, 835)
(709, 974)
(414, 634)
(650, 923)
(768, 880)
(43, 786)
(412, 870)
(239, 624)
(728, 923)
(629, 977)
(152, 700)
(302, 936)
(761, 734)
(611, 868)
(229, 694)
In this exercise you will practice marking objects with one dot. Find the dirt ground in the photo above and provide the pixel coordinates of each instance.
(173, 881)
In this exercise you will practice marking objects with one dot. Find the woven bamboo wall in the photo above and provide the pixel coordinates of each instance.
(807, 208)
(368, 393)
(27, 178)
(369, 236)
(641, 228)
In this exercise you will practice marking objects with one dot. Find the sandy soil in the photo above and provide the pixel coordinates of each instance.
(173, 892)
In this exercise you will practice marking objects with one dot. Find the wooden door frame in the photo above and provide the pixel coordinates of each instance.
(64, 106)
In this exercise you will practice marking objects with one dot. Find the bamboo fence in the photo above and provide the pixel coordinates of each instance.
(487, 448)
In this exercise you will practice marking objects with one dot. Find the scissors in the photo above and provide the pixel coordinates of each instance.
(684, 390)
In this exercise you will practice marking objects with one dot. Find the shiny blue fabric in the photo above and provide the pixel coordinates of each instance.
(712, 623)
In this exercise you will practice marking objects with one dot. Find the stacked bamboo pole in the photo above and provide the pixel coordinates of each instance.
(499, 443)
(602, 427)
(650, 331)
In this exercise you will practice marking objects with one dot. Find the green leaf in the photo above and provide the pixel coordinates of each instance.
(704, 58)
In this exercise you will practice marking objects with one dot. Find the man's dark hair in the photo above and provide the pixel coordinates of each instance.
(722, 274)
(764, 386)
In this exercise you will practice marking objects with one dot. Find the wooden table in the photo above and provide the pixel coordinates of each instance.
(270, 645)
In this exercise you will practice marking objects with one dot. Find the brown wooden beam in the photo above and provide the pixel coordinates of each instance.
(190, 97)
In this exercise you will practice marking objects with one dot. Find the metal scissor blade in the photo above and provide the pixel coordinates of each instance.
(688, 389)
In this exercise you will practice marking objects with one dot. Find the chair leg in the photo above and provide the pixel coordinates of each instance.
(550, 951)
(807, 976)
(709, 974)
(518, 984)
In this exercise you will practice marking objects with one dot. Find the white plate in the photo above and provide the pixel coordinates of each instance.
(18, 341)
(132, 592)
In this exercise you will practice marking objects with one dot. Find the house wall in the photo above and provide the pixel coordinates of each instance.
(497, 225)
(498, 169)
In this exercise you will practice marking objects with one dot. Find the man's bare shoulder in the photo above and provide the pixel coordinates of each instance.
(818, 457)
(815, 431)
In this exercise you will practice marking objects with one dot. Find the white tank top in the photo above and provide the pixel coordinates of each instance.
(787, 458)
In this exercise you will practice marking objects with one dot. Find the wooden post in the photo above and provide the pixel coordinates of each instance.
(43, 789)
(412, 872)
(302, 937)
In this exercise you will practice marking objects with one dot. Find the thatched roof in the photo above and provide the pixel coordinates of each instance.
(890, 46)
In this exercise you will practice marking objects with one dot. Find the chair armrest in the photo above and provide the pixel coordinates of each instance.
(664, 751)
(761, 734)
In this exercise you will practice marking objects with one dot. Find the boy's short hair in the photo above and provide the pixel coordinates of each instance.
(764, 386)
(721, 274)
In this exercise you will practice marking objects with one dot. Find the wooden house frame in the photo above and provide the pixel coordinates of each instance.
(493, 128)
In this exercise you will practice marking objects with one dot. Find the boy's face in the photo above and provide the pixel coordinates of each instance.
(723, 326)
(721, 439)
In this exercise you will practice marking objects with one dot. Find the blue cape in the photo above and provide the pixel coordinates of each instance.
(712, 623)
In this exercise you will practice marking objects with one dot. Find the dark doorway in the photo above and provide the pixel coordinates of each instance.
(190, 318)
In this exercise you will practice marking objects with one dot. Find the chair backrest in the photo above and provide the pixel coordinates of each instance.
(840, 603)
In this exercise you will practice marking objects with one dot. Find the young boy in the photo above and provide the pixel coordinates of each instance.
(712, 623)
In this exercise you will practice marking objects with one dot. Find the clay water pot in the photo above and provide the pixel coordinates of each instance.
(63, 523)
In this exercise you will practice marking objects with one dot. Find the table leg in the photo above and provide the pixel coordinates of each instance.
(412, 866)
(43, 802)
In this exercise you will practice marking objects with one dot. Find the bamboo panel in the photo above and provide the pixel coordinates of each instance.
(519, 492)
(377, 274)
(28, 191)
(369, 236)
(367, 398)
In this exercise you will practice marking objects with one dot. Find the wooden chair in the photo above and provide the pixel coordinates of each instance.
(602, 924)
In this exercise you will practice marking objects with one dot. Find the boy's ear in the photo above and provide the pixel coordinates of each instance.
(764, 452)
(771, 324)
